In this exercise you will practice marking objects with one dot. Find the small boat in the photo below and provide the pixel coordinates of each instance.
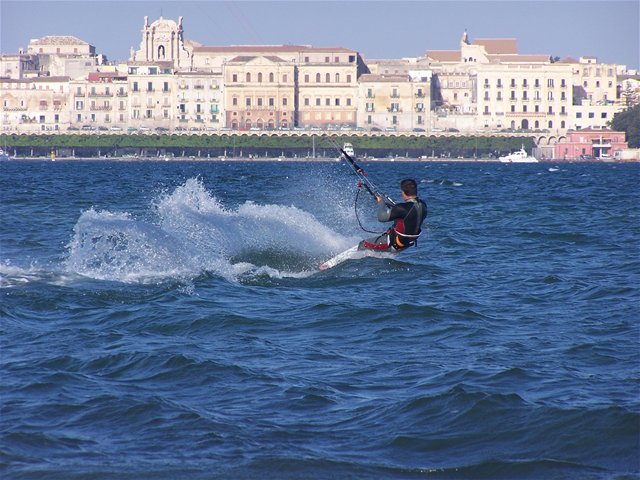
(348, 149)
(519, 156)
(4, 155)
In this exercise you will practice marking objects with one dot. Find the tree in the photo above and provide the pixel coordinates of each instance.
(628, 121)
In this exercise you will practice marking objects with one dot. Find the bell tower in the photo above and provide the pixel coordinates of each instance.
(162, 41)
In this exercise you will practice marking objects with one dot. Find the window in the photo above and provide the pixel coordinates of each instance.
(306, 101)
(317, 78)
(578, 114)
(248, 77)
(337, 78)
(259, 77)
(348, 78)
(326, 59)
(149, 86)
(327, 102)
(234, 101)
(135, 86)
(284, 78)
(327, 78)
(272, 101)
(348, 102)
(603, 115)
(165, 87)
(306, 78)
(284, 101)
(248, 102)
(336, 60)
(234, 77)
(317, 102)
(337, 102)
(271, 77)
(259, 101)
(591, 115)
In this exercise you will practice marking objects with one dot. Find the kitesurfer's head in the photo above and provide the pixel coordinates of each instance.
(409, 187)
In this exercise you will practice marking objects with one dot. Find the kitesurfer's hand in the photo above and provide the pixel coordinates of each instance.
(379, 198)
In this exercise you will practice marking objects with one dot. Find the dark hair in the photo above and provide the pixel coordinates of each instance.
(409, 187)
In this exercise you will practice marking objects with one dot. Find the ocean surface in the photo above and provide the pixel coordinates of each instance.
(167, 320)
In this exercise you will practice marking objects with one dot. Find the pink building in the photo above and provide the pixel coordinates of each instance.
(588, 142)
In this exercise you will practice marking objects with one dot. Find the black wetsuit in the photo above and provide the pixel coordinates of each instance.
(407, 221)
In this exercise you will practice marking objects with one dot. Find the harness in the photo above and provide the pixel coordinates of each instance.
(400, 240)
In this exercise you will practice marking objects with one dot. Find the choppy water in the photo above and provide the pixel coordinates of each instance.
(167, 320)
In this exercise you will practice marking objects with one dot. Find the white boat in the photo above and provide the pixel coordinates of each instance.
(348, 149)
(519, 156)
(4, 155)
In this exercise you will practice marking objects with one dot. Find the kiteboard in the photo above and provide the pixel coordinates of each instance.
(348, 254)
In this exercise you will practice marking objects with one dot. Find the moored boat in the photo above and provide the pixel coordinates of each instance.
(4, 155)
(519, 156)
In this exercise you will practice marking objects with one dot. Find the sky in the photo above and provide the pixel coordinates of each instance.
(386, 29)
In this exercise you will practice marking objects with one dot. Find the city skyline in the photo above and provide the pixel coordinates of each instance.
(607, 30)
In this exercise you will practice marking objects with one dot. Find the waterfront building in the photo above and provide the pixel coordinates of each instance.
(327, 86)
(394, 102)
(590, 143)
(98, 101)
(32, 105)
(259, 92)
(199, 101)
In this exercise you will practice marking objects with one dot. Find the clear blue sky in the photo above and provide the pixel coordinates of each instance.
(377, 29)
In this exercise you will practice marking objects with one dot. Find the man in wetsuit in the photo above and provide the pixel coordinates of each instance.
(407, 220)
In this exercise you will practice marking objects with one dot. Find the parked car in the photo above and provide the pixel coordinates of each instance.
(418, 130)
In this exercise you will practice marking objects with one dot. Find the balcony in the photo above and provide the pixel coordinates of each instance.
(100, 94)
(420, 95)
(198, 87)
(394, 110)
(100, 108)
(121, 94)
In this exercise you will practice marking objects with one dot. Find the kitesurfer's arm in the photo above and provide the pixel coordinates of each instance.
(384, 210)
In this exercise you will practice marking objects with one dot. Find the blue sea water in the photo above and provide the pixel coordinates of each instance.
(168, 320)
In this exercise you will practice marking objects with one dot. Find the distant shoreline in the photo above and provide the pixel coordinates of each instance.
(300, 160)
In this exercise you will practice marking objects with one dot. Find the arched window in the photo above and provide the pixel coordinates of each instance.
(248, 77)
(328, 77)
(259, 77)
(161, 52)
(317, 78)
(271, 77)
(550, 124)
(337, 78)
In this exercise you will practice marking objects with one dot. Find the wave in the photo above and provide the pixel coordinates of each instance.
(190, 232)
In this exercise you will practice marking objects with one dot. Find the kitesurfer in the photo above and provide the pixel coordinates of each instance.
(407, 220)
